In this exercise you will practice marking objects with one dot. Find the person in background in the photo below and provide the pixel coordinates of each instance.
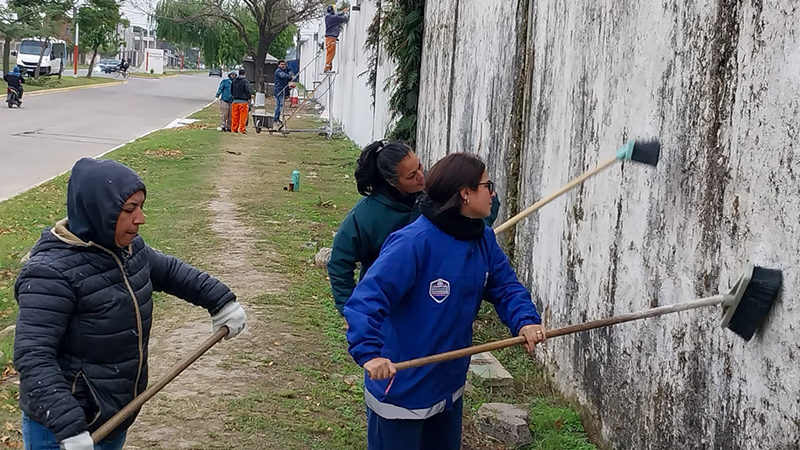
(15, 81)
(420, 298)
(282, 78)
(333, 24)
(86, 308)
(225, 101)
(241, 93)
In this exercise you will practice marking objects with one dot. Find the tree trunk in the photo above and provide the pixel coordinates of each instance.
(91, 62)
(6, 55)
(41, 56)
(258, 63)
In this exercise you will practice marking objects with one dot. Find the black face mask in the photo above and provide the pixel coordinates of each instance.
(451, 221)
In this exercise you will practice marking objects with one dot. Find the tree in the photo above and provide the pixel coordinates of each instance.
(98, 20)
(399, 25)
(12, 26)
(257, 22)
(44, 17)
(218, 41)
(283, 42)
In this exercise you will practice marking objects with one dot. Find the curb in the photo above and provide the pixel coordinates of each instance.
(154, 78)
(100, 155)
(73, 88)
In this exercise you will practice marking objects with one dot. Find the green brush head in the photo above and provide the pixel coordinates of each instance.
(755, 299)
(646, 152)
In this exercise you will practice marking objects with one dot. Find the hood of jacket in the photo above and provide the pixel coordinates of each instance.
(96, 191)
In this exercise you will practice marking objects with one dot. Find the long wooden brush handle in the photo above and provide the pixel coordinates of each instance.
(510, 342)
(148, 393)
(535, 207)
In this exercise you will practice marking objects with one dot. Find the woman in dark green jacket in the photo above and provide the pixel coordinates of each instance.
(390, 177)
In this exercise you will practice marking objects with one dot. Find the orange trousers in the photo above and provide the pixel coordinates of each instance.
(239, 117)
(330, 52)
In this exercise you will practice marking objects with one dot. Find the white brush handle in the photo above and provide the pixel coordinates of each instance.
(535, 207)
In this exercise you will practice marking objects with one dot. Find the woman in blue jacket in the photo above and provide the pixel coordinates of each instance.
(391, 178)
(420, 298)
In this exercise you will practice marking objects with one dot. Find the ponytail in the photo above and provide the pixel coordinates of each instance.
(377, 165)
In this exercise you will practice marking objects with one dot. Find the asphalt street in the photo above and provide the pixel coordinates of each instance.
(53, 130)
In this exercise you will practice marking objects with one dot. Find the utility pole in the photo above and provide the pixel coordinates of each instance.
(75, 50)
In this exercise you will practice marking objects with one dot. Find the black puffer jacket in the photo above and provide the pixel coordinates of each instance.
(85, 307)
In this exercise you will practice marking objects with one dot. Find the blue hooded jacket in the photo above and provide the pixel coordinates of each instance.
(282, 79)
(419, 298)
(14, 79)
(224, 90)
(85, 307)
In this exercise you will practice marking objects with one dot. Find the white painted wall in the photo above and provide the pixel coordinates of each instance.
(718, 82)
(352, 102)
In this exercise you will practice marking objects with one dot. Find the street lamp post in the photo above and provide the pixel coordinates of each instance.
(75, 49)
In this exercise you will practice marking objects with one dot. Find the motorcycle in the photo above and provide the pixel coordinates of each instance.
(12, 97)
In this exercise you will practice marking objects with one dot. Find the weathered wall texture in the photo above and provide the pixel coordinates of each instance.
(353, 107)
(545, 90)
(468, 83)
(718, 83)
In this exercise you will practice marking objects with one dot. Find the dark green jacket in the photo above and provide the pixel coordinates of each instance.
(361, 236)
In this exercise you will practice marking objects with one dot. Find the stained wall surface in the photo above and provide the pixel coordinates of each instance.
(548, 89)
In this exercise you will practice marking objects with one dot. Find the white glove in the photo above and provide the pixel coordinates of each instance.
(231, 315)
(81, 441)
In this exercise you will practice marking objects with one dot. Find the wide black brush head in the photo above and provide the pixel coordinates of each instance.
(646, 152)
(756, 302)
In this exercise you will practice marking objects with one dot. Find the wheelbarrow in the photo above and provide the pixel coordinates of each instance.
(262, 120)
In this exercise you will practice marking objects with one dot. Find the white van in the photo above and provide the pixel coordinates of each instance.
(54, 56)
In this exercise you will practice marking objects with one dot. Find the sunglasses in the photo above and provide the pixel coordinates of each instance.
(489, 185)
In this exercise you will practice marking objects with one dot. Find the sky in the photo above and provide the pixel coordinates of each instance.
(132, 10)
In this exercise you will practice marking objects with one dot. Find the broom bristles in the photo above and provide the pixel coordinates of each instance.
(646, 152)
(757, 301)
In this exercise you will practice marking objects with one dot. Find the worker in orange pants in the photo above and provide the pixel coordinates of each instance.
(241, 93)
(333, 24)
(239, 113)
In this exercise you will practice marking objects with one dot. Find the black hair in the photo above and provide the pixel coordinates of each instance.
(281, 61)
(241, 71)
(449, 175)
(377, 165)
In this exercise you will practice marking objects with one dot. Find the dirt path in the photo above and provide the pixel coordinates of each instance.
(191, 411)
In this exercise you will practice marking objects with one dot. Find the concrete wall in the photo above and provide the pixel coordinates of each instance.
(544, 91)
(468, 84)
(352, 107)
(556, 86)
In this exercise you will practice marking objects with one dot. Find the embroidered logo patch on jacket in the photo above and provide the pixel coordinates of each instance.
(439, 290)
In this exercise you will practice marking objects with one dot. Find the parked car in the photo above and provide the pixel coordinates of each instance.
(109, 65)
(215, 72)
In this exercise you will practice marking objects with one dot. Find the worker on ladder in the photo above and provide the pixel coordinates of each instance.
(333, 24)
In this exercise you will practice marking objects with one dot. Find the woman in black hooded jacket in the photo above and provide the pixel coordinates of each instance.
(85, 310)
